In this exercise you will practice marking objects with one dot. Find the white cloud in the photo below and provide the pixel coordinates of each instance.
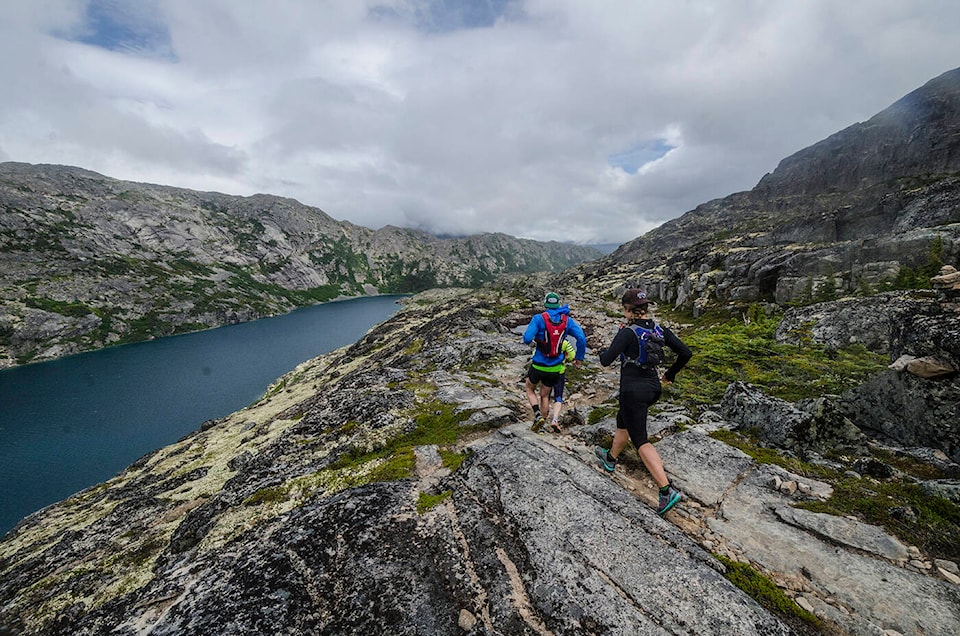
(399, 112)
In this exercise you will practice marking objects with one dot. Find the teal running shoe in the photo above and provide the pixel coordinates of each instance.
(668, 500)
(609, 463)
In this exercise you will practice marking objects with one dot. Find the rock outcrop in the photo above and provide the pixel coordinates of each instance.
(859, 569)
(817, 427)
(917, 401)
(513, 549)
(864, 208)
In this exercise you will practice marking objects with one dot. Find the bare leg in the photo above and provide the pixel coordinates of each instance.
(545, 400)
(557, 406)
(531, 393)
(620, 439)
(651, 459)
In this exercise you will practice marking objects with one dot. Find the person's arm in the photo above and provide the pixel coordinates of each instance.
(683, 354)
(576, 331)
(533, 329)
(618, 346)
(569, 353)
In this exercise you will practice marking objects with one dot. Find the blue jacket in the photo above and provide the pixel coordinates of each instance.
(537, 330)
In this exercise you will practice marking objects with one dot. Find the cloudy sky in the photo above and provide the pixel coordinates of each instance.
(576, 120)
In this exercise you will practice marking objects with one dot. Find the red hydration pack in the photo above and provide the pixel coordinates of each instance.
(555, 333)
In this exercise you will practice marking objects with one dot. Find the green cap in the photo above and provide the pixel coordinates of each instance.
(551, 300)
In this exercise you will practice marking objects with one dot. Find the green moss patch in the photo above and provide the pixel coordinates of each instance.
(414, 347)
(71, 309)
(271, 495)
(426, 501)
(764, 591)
(602, 412)
(737, 350)
(579, 375)
(436, 423)
(452, 460)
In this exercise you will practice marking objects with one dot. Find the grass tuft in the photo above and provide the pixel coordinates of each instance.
(452, 460)
(602, 412)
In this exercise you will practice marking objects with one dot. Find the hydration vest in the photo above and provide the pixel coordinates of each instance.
(555, 333)
(651, 343)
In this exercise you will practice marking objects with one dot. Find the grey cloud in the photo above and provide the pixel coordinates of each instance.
(502, 121)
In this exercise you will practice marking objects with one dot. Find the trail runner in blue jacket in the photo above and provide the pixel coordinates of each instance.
(548, 329)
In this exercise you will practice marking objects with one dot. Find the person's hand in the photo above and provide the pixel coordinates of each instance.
(664, 380)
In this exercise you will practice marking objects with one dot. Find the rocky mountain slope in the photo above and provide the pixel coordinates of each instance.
(394, 486)
(851, 212)
(87, 261)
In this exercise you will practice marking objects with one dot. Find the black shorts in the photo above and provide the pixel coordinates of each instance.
(546, 378)
(636, 398)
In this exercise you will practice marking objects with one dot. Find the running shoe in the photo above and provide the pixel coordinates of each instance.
(668, 500)
(538, 423)
(555, 427)
(608, 462)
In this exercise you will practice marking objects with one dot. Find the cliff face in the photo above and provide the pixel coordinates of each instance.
(87, 261)
(915, 136)
(851, 211)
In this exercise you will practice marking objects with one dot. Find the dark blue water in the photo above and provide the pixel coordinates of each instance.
(71, 423)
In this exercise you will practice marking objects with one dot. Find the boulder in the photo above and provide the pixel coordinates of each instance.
(869, 321)
(814, 426)
(909, 410)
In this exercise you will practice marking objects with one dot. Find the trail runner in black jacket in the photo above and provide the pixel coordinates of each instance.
(640, 387)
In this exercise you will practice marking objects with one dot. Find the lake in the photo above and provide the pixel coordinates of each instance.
(71, 423)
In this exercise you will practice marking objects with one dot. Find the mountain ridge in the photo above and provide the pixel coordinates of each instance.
(851, 211)
(90, 261)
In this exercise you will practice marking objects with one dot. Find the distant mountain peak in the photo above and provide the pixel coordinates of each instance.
(859, 209)
(917, 134)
